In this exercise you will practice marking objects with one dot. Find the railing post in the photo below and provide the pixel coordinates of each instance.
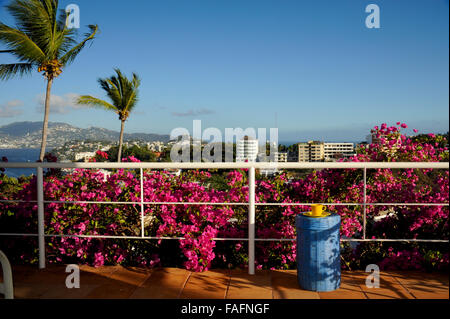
(142, 203)
(41, 229)
(251, 220)
(7, 287)
(365, 203)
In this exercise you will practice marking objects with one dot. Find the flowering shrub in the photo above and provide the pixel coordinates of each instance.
(402, 260)
(101, 156)
(200, 224)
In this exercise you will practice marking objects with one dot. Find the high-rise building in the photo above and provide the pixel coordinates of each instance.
(247, 149)
(312, 151)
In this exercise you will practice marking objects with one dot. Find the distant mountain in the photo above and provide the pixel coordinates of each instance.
(18, 129)
(28, 135)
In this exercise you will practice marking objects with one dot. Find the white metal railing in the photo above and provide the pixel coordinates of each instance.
(227, 165)
(7, 287)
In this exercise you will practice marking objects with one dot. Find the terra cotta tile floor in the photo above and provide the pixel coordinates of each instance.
(170, 283)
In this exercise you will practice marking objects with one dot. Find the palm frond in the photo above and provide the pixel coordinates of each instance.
(95, 102)
(41, 37)
(136, 80)
(72, 53)
(37, 18)
(8, 71)
(111, 91)
(65, 36)
(126, 89)
(20, 44)
(117, 82)
(120, 90)
(132, 96)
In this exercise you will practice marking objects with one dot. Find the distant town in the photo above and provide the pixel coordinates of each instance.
(246, 149)
(29, 134)
(72, 144)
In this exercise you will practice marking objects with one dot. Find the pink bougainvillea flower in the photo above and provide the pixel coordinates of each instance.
(199, 225)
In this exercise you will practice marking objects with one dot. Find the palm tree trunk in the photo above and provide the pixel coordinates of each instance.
(45, 123)
(119, 155)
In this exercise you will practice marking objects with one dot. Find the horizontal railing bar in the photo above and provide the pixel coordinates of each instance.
(353, 204)
(228, 239)
(17, 201)
(112, 237)
(399, 240)
(239, 204)
(18, 234)
(233, 165)
(145, 203)
(362, 240)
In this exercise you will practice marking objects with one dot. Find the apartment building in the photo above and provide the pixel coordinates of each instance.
(280, 157)
(315, 151)
(247, 149)
(312, 151)
(332, 151)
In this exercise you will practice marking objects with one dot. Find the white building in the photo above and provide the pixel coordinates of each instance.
(332, 151)
(281, 157)
(247, 149)
(84, 155)
(155, 146)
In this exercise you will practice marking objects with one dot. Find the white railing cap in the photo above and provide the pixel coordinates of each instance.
(231, 165)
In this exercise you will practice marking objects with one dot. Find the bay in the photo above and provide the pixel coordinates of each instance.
(21, 155)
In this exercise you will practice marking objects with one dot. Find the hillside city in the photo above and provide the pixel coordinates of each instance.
(29, 134)
(69, 143)
(245, 150)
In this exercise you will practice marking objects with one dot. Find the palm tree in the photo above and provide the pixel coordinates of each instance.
(123, 94)
(40, 40)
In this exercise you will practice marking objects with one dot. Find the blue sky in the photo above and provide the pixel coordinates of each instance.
(311, 68)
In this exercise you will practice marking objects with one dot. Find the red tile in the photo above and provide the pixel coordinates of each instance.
(163, 283)
(285, 286)
(59, 292)
(132, 276)
(131, 282)
(30, 291)
(245, 286)
(112, 291)
(389, 292)
(206, 285)
(345, 291)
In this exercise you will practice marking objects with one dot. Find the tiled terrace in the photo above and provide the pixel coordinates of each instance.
(171, 283)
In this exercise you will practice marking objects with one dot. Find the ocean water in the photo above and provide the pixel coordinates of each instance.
(26, 155)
